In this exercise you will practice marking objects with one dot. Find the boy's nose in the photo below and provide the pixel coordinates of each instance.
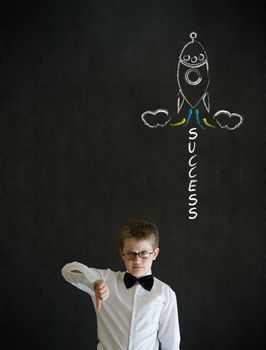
(137, 259)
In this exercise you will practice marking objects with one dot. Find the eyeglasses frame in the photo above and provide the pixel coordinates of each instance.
(137, 254)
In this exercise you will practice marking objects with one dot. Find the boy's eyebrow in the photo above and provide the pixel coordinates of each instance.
(132, 251)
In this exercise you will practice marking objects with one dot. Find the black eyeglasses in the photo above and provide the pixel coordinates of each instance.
(132, 255)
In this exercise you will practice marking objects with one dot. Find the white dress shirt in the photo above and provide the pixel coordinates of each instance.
(130, 319)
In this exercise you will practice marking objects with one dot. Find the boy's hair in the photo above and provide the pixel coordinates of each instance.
(140, 230)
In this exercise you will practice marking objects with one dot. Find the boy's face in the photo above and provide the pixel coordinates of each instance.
(138, 267)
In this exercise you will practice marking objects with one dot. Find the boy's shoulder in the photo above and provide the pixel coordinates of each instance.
(163, 287)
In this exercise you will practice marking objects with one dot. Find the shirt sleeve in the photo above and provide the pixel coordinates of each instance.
(83, 280)
(168, 332)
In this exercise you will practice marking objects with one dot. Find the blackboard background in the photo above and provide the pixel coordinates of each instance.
(78, 162)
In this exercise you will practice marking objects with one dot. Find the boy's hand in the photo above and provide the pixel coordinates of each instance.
(101, 292)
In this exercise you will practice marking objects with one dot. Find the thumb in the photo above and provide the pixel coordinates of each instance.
(98, 303)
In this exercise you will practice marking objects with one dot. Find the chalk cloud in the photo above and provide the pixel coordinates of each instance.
(227, 120)
(153, 119)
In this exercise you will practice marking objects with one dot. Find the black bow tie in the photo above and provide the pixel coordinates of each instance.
(146, 281)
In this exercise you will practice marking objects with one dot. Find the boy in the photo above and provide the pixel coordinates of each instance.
(134, 310)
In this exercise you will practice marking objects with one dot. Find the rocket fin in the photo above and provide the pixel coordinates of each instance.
(206, 101)
(180, 101)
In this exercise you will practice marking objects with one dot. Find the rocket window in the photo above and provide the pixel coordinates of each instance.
(201, 57)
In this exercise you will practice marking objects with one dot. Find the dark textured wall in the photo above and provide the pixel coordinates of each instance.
(78, 162)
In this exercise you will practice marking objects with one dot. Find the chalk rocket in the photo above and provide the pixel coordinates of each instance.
(193, 75)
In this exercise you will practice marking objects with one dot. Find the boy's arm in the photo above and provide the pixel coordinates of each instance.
(168, 332)
(89, 280)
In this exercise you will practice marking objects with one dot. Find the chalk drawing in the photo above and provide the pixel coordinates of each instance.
(192, 175)
(160, 117)
(227, 120)
(193, 78)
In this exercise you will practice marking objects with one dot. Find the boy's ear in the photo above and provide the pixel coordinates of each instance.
(155, 253)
